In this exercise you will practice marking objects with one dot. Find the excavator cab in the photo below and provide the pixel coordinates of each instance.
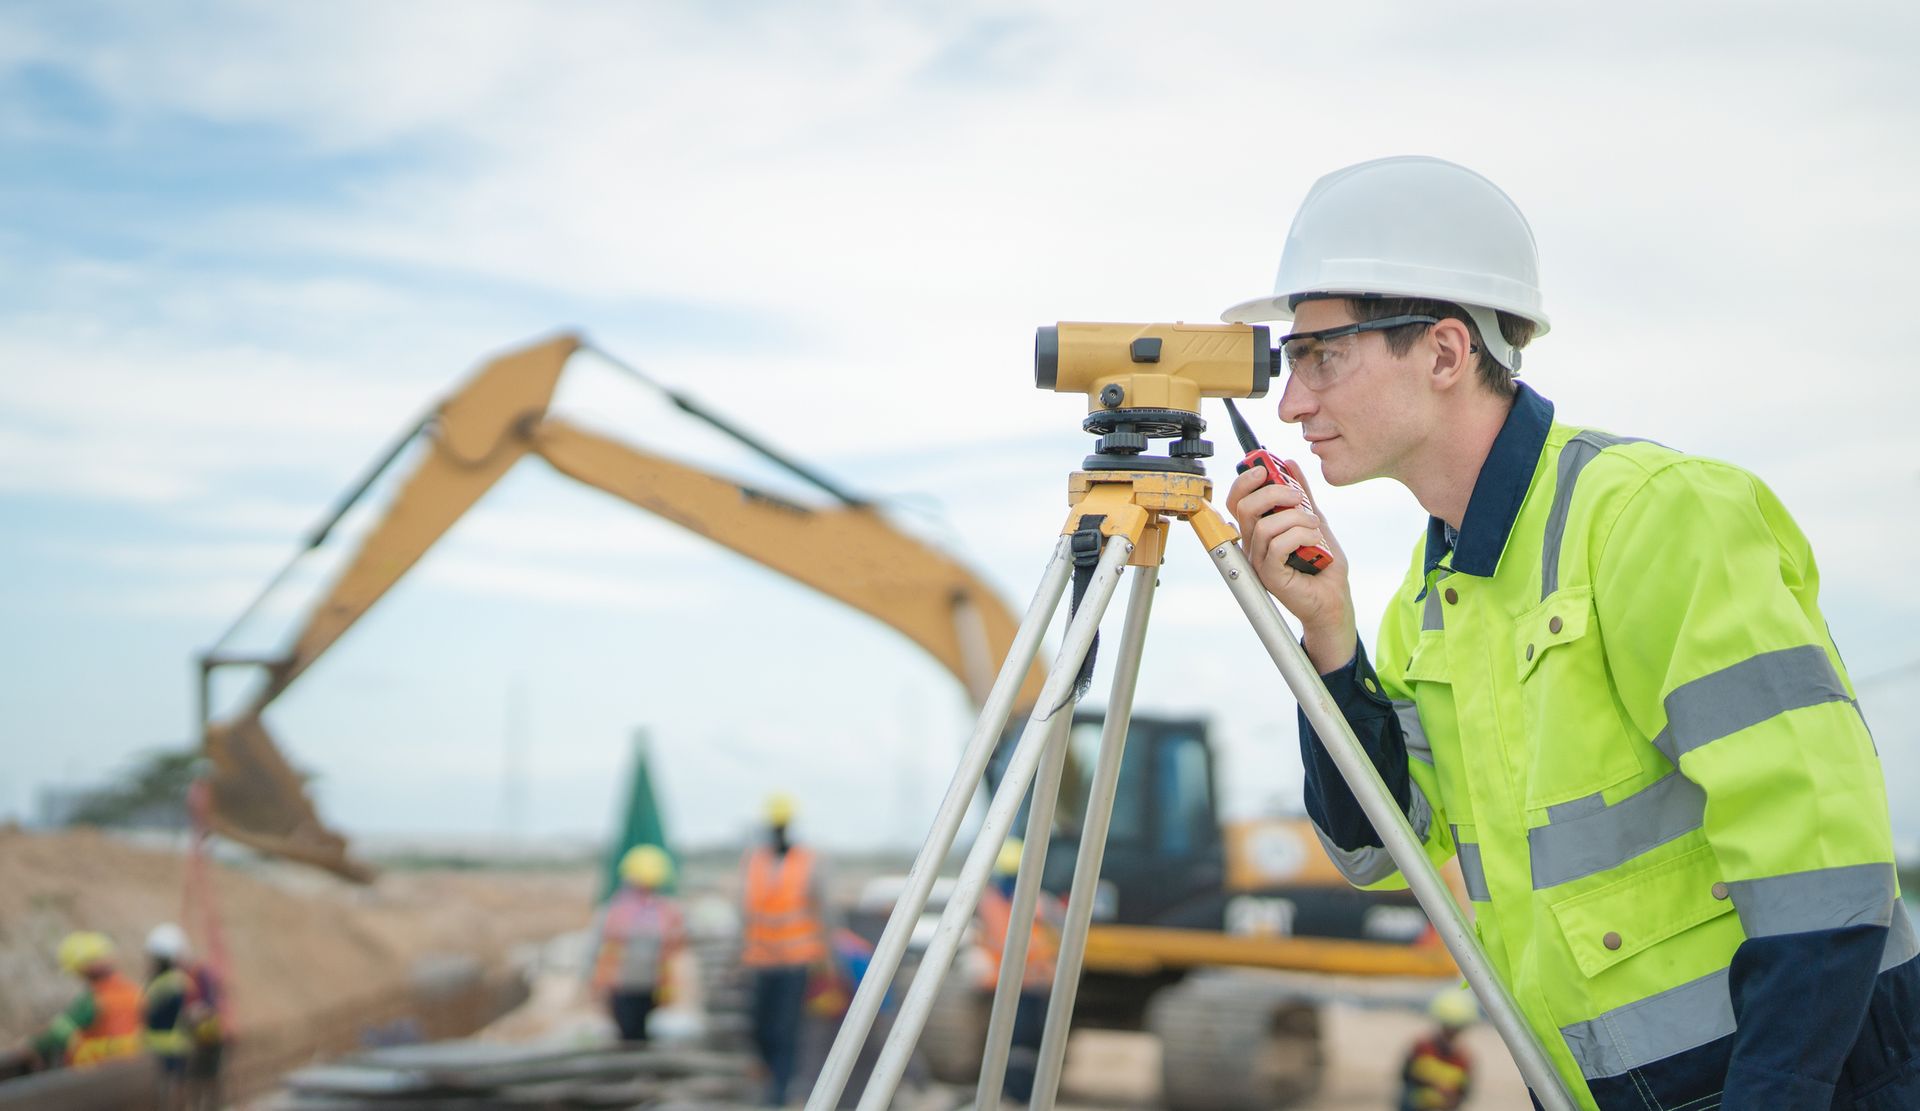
(1165, 861)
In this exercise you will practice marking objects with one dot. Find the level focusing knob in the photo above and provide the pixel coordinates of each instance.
(1122, 443)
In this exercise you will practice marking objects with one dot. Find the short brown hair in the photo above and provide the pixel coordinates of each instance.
(1514, 329)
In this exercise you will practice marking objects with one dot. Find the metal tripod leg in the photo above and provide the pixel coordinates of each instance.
(953, 808)
(1388, 820)
(1026, 892)
(1093, 840)
(1054, 698)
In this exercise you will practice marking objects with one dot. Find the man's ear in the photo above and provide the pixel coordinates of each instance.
(1453, 356)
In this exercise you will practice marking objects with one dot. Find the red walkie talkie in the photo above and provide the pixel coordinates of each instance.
(1308, 559)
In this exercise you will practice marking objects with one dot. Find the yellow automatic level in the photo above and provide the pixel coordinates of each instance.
(1153, 366)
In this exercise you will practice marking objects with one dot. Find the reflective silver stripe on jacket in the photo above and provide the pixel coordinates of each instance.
(1471, 870)
(1573, 459)
(1685, 1017)
(1902, 945)
(1822, 899)
(1430, 616)
(1659, 1026)
(1418, 746)
(1595, 840)
(1370, 864)
(1747, 693)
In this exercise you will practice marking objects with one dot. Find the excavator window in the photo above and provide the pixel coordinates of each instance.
(1185, 788)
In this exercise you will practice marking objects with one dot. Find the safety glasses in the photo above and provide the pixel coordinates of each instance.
(1316, 358)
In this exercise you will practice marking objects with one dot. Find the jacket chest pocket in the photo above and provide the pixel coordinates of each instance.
(1577, 744)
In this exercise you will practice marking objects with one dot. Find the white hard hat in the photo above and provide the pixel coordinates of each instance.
(1410, 226)
(167, 941)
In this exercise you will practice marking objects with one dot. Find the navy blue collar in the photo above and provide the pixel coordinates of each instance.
(1497, 493)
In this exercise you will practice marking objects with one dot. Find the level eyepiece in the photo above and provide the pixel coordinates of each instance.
(1046, 356)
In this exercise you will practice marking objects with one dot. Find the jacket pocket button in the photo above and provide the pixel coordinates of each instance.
(1529, 651)
(1611, 941)
(1719, 890)
(1452, 596)
(1555, 625)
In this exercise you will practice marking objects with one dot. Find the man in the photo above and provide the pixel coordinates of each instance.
(1604, 684)
(1438, 1074)
(641, 933)
(103, 1022)
(169, 1009)
(784, 937)
(991, 922)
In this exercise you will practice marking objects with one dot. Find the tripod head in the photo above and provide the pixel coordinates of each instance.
(1144, 382)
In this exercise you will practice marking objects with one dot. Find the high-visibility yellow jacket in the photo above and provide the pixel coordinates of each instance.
(167, 1010)
(1611, 694)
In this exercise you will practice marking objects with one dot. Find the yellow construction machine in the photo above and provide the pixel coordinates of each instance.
(471, 439)
(1180, 890)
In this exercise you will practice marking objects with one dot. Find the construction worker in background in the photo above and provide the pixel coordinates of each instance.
(784, 936)
(991, 922)
(641, 934)
(1438, 1073)
(1604, 684)
(168, 1010)
(103, 1022)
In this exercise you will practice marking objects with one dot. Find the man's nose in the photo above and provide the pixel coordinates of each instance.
(1297, 402)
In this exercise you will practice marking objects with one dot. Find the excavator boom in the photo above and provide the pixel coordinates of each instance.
(847, 551)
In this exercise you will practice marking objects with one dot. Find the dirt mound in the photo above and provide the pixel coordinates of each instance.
(300, 943)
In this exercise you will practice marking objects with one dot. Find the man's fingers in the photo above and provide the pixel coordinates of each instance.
(1280, 534)
(1245, 483)
(1252, 505)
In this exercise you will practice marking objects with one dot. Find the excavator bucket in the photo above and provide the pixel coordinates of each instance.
(260, 801)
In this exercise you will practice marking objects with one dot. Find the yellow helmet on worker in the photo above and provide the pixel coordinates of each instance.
(779, 809)
(84, 951)
(1454, 1007)
(647, 866)
(1008, 862)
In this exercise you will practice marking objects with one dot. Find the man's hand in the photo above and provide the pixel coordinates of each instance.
(1322, 603)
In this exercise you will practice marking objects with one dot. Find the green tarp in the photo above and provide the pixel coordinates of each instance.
(640, 823)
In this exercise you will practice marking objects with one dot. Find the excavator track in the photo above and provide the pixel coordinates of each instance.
(1236, 1042)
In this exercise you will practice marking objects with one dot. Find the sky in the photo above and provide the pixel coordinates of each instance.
(243, 246)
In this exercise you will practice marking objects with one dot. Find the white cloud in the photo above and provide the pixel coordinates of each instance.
(890, 198)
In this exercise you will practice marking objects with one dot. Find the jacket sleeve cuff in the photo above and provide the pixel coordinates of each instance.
(1330, 802)
(1356, 688)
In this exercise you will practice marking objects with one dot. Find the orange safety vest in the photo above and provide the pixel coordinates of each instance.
(1043, 944)
(783, 926)
(118, 1017)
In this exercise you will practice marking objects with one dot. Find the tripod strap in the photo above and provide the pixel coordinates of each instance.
(1086, 556)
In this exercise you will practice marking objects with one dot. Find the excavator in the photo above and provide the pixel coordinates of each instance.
(1181, 892)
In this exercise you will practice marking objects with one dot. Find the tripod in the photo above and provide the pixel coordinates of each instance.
(1124, 506)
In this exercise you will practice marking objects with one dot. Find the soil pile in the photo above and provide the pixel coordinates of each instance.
(300, 943)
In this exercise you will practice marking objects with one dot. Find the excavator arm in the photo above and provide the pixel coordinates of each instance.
(847, 551)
